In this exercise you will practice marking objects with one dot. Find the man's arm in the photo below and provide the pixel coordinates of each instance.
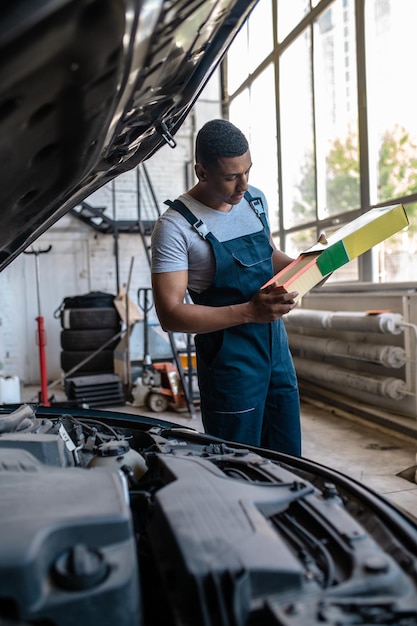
(175, 315)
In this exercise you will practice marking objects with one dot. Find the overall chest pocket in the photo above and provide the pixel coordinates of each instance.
(252, 255)
(253, 266)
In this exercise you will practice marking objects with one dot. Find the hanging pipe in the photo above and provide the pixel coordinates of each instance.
(386, 323)
(388, 356)
(393, 388)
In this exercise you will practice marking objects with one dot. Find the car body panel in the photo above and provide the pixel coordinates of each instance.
(91, 88)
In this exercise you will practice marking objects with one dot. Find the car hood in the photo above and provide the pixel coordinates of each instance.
(91, 88)
(120, 519)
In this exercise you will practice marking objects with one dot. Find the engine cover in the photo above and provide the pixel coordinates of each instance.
(69, 554)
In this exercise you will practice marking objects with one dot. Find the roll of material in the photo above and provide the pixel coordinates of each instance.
(388, 356)
(386, 323)
(387, 387)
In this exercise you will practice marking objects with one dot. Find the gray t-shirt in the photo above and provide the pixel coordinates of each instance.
(176, 245)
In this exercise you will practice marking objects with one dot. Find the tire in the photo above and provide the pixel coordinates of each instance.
(76, 340)
(95, 318)
(96, 299)
(156, 402)
(101, 363)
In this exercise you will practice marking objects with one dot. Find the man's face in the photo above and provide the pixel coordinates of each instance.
(225, 183)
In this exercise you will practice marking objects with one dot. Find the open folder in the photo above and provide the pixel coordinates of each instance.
(345, 244)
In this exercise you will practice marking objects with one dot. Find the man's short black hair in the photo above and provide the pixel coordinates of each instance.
(219, 138)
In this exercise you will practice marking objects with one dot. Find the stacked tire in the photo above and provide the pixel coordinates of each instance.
(89, 322)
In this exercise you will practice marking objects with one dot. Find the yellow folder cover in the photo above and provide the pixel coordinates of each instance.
(347, 243)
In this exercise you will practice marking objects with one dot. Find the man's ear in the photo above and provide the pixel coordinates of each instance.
(200, 172)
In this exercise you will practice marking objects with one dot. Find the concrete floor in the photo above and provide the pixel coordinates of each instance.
(380, 459)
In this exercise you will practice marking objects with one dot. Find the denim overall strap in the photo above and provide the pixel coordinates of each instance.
(196, 223)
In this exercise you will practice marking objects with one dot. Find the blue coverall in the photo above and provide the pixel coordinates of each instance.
(246, 376)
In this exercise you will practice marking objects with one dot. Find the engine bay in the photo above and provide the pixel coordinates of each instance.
(109, 520)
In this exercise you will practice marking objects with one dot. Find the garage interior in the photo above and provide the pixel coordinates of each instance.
(354, 338)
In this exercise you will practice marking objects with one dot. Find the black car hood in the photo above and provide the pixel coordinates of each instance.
(91, 88)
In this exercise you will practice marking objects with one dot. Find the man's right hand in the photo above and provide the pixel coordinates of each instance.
(271, 303)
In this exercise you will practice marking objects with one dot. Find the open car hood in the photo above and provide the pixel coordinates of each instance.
(113, 519)
(91, 88)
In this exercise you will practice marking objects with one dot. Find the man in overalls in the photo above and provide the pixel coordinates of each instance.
(215, 242)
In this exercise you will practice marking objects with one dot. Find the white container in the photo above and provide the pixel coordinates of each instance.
(9, 390)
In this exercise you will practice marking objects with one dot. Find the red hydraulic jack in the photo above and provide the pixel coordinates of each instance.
(41, 334)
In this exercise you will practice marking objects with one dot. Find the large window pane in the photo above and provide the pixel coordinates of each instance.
(391, 48)
(338, 186)
(297, 140)
(263, 139)
(254, 112)
(239, 112)
(290, 13)
(238, 60)
(319, 130)
(297, 242)
(260, 34)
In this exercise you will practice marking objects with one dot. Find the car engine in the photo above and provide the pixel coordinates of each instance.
(123, 520)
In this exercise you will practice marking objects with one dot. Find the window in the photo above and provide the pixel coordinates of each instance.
(337, 150)
(260, 130)
(390, 46)
(290, 12)
(319, 161)
(297, 137)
